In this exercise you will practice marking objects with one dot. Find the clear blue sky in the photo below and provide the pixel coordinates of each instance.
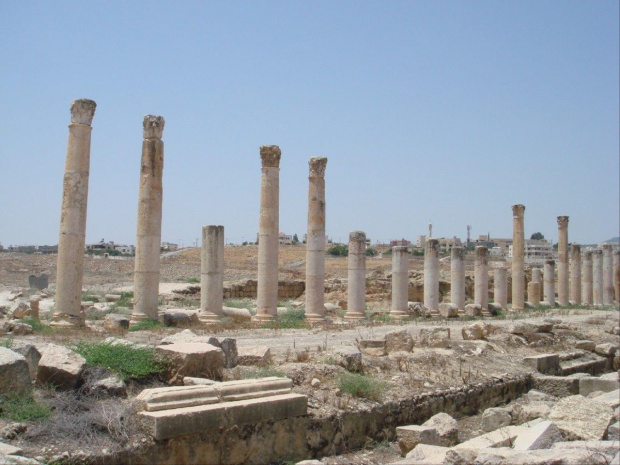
(447, 111)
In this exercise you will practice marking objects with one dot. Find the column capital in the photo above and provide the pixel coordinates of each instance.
(457, 252)
(317, 167)
(518, 210)
(153, 126)
(587, 254)
(82, 111)
(270, 156)
(481, 251)
(550, 262)
(400, 249)
(357, 236)
(607, 247)
(562, 222)
(575, 251)
(597, 252)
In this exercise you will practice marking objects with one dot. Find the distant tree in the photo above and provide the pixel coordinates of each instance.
(371, 252)
(338, 250)
(537, 236)
(295, 239)
(555, 246)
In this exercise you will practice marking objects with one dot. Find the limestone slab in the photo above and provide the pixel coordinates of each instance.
(589, 385)
(580, 418)
(541, 436)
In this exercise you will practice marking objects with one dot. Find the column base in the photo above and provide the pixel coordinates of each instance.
(398, 314)
(354, 316)
(209, 318)
(263, 318)
(315, 318)
(67, 320)
(138, 317)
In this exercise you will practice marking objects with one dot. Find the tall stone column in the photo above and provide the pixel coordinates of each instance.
(549, 285)
(575, 274)
(356, 288)
(617, 274)
(608, 275)
(500, 286)
(148, 241)
(536, 275)
(563, 260)
(70, 264)
(597, 277)
(431, 275)
(315, 241)
(211, 274)
(587, 295)
(518, 258)
(481, 277)
(268, 229)
(457, 278)
(400, 282)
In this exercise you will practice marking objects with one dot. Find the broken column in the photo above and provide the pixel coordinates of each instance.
(268, 229)
(534, 287)
(481, 277)
(315, 241)
(500, 286)
(586, 276)
(356, 288)
(400, 282)
(608, 275)
(563, 260)
(457, 271)
(431, 275)
(597, 277)
(148, 241)
(575, 274)
(211, 274)
(617, 274)
(72, 236)
(518, 258)
(549, 285)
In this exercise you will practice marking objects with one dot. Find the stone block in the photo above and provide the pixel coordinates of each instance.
(613, 432)
(253, 356)
(541, 436)
(416, 309)
(349, 358)
(191, 381)
(473, 310)
(592, 384)
(38, 282)
(116, 322)
(179, 317)
(580, 418)
(494, 309)
(193, 359)
(187, 421)
(446, 426)
(448, 310)
(508, 456)
(60, 366)
(611, 398)
(19, 310)
(547, 364)
(32, 356)
(374, 347)
(412, 435)
(460, 456)
(585, 345)
(111, 386)
(475, 331)
(499, 438)
(8, 449)
(605, 450)
(398, 341)
(183, 337)
(14, 373)
(229, 347)
(495, 418)
(531, 411)
(238, 314)
(607, 349)
(435, 337)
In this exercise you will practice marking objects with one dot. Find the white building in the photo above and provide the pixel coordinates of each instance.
(536, 251)
(285, 239)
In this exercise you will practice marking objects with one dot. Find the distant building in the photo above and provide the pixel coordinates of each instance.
(126, 249)
(102, 247)
(536, 251)
(400, 242)
(45, 249)
(421, 242)
(285, 239)
(496, 252)
(22, 248)
(446, 244)
(168, 247)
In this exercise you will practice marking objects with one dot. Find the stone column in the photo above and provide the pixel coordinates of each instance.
(549, 286)
(563, 260)
(315, 241)
(536, 275)
(70, 264)
(457, 278)
(400, 282)
(575, 274)
(597, 277)
(431, 275)
(356, 288)
(534, 287)
(148, 241)
(500, 288)
(518, 259)
(608, 275)
(481, 277)
(586, 276)
(268, 229)
(211, 274)
(617, 274)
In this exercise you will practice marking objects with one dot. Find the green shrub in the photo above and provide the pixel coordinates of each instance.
(263, 372)
(361, 386)
(37, 326)
(124, 300)
(294, 318)
(370, 252)
(193, 280)
(8, 342)
(126, 361)
(340, 250)
(23, 407)
(145, 325)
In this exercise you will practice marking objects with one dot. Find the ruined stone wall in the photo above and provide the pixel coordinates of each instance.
(286, 289)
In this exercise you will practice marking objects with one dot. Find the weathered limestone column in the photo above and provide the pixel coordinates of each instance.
(431, 275)
(518, 258)
(617, 274)
(575, 274)
(211, 274)
(549, 286)
(534, 287)
(536, 275)
(563, 260)
(72, 236)
(500, 286)
(608, 275)
(315, 241)
(148, 241)
(457, 278)
(481, 277)
(587, 295)
(356, 288)
(268, 229)
(400, 282)
(597, 277)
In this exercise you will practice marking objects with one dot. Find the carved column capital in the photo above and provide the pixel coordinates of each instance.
(82, 111)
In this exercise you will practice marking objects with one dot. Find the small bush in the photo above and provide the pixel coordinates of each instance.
(37, 326)
(193, 280)
(125, 361)
(294, 318)
(361, 386)
(23, 407)
(370, 252)
(145, 325)
(8, 342)
(124, 300)
(338, 250)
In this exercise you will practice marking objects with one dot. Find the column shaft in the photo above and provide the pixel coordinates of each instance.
(431, 275)
(575, 274)
(457, 278)
(518, 258)
(549, 285)
(500, 289)
(356, 288)
(587, 294)
(597, 277)
(481, 277)
(563, 260)
(400, 282)
(608, 275)
(617, 274)
(211, 274)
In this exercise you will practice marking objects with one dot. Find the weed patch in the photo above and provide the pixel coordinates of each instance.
(8, 342)
(361, 386)
(145, 325)
(124, 300)
(23, 407)
(294, 318)
(37, 326)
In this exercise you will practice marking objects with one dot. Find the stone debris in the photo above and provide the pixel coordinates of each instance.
(349, 358)
(193, 359)
(440, 430)
(398, 341)
(229, 347)
(473, 310)
(448, 310)
(111, 386)
(580, 418)
(435, 337)
(192, 381)
(495, 418)
(585, 345)
(476, 331)
(32, 356)
(238, 314)
(116, 322)
(540, 436)
(593, 384)
(548, 364)
(374, 347)
(60, 366)
(14, 372)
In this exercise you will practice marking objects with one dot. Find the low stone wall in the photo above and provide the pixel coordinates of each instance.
(306, 437)
(286, 289)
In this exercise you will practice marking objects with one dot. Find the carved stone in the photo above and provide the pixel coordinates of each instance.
(83, 111)
(153, 126)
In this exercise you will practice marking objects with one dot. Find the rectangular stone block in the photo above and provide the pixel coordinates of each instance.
(167, 424)
(503, 437)
(558, 386)
(611, 398)
(547, 364)
(588, 385)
